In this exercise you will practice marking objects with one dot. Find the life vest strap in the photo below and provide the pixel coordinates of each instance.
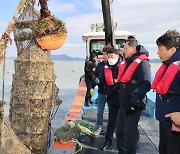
(125, 76)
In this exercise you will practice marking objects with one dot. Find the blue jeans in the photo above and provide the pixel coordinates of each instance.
(100, 110)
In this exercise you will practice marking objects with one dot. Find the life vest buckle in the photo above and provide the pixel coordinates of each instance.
(115, 80)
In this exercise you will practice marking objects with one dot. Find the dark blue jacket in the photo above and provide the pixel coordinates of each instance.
(112, 93)
(169, 103)
(99, 69)
(133, 93)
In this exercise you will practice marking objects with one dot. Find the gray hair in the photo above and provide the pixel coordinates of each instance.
(132, 41)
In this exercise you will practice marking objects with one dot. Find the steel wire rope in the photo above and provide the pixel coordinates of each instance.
(50, 128)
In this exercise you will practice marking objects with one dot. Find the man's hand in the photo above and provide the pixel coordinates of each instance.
(135, 103)
(175, 117)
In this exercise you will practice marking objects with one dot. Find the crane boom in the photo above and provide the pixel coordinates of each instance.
(108, 26)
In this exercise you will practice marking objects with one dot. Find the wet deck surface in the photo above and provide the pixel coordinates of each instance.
(148, 129)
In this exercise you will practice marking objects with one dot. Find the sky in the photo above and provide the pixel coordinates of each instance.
(147, 19)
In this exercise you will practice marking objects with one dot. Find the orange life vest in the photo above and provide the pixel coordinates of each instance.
(108, 76)
(126, 76)
(164, 77)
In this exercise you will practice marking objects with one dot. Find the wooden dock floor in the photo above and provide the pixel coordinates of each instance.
(148, 129)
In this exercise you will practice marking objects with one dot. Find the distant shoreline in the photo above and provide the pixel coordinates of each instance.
(155, 61)
(64, 57)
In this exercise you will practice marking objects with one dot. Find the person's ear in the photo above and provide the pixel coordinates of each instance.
(138, 48)
(172, 50)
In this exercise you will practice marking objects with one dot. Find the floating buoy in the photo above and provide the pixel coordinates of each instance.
(10, 72)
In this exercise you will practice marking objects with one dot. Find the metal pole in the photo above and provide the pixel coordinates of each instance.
(108, 24)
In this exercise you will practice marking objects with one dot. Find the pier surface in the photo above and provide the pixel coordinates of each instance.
(149, 135)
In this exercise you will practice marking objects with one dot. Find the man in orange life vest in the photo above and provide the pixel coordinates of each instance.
(134, 82)
(109, 77)
(101, 100)
(167, 86)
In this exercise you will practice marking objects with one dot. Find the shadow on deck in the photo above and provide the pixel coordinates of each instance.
(149, 135)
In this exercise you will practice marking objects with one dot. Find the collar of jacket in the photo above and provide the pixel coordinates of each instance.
(132, 58)
(173, 58)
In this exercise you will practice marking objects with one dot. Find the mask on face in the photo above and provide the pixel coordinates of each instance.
(112, 61)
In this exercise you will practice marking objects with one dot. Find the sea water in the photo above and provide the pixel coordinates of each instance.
(68, 74)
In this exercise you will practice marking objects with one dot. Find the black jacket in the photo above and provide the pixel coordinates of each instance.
(89, 73)
(133, 93)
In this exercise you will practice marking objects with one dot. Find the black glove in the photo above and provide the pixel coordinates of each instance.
(135, 102)
(134, 106)
(131, 110)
